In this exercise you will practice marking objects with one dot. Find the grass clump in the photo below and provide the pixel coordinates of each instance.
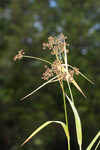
(60, 71)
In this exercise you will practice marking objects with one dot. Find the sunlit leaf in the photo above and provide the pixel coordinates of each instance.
(86, 77)
(39, 88)
(77, 86)
(93, 141)
(77, 123)
(43, 126)
(97, 145)
(82, 75)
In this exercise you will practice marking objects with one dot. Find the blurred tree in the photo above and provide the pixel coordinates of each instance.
(26, 25)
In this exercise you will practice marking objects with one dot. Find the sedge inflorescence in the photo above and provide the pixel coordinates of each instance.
(57, 46)
(59, 69)
(19, 55)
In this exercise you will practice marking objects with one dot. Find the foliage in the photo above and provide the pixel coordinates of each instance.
(60, 71)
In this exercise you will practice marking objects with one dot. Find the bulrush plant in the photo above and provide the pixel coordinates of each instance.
(60, 71)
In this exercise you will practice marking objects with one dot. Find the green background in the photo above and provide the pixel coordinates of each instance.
(26, 24)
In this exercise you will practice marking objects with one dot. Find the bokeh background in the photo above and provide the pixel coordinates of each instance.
(26, 24)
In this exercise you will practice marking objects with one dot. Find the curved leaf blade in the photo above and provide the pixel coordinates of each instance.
(77, 122)
(43, 126)
(93, 141)
(97, 145)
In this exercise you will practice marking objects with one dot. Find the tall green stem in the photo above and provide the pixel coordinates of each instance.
(65, 110)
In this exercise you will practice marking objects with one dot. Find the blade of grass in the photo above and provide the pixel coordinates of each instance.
(43, 126)
(65, 110)
(77, 123)
(38, 88)
(97, 145)
(86, 78)
(82, 75)
(93, 141)
(77, 86)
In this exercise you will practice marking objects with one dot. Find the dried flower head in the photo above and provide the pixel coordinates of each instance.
(56, 44)
(59, 69)
(19, 55)
(47, 74)
(76, 70)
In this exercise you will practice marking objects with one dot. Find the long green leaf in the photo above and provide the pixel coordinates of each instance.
(82, 75)
(97, 145)
(77, 122)
(39, 87)
(77, 86)
(43, 126)
(93, 141)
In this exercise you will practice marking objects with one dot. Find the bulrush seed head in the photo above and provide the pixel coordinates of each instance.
(57, 46)
(59, 69)
(19, 55)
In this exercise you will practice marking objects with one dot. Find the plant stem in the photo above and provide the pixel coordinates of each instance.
(37, 59)
(65, 57)
(80, 148)
(70, 91)
(66, 119)
(65, 109)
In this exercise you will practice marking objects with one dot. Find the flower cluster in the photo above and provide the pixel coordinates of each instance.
(56, 44)
(60, 70)
(58, 67)
(19, 55)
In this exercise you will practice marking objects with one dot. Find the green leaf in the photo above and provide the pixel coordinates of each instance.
(97, 145)
(77, 86)
(49, 81)
(93, 141)
(77, 122)
(43, 126)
